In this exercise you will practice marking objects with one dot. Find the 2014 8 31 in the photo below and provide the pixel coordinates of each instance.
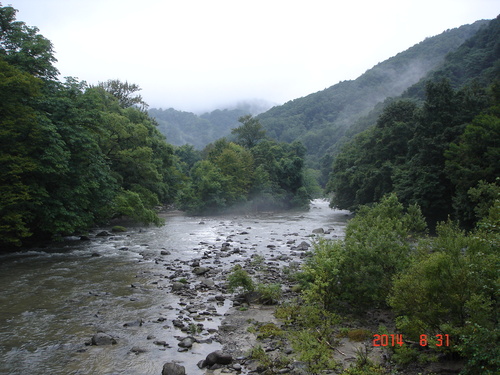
(439, 340)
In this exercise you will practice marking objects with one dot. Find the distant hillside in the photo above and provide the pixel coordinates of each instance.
(320, 120)
(476, 60)
(199, 130)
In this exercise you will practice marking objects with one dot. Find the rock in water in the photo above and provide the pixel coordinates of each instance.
(102, 338)
(319, 230)
(218, 357)
(186, 343)
(171, 368)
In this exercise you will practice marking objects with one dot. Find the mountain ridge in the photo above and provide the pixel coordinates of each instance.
(319, 120)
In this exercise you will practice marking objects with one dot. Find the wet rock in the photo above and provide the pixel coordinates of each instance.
(138, 350)
(84, 238)
(186, 342)
(318, 231)
(178, 323)
(171, 368)
(103, 233)
(198, 271)
(161, 343)
(101, 339)
(208, 283)
(95, 255)
(217, 358)
(178, 286)
(237, 367)
(303, 246)
(165, 252)
(135, 323)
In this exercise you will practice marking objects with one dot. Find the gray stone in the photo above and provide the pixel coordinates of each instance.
(303, 245)
(138, 350)
(200, 270)
(208, 282)
(318, 230)
(171, 368)
(135, 323)
(101, 338)
(177, 286)
(186, 343)
(218, 357)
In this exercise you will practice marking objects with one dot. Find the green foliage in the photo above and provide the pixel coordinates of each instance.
(239, 279)
(123, 91)
(258, 353)
(314, 350)
(269, 330)
(269, 294)
(130, 204)
(473, 161)
(359, 269)
(359, 334)
(405, 153)
(270, 175)
(22, 46)
(451, 288)
(250, 132)
(72, 156)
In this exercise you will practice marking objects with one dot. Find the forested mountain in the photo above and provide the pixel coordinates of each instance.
(199, 130)
(441, 153)
(321, 119)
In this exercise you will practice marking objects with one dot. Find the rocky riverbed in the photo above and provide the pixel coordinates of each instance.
(127, 303)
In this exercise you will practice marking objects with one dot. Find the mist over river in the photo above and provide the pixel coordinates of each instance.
(53, 300)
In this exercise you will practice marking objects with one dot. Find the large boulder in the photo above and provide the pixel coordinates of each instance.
(217, 358)
(171, 368)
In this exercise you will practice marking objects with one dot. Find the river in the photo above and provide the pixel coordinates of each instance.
(54, 299)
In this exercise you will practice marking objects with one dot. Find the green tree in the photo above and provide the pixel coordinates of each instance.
(359, 269)
(474, 158)
(250, 133)
(452, 288)
(17, 121)
(22, 46)
(124, 92)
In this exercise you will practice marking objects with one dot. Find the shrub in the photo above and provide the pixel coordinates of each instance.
(269, 294)
(240, 279)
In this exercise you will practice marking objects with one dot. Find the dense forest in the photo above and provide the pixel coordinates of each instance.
(437, 152)
(75, 155)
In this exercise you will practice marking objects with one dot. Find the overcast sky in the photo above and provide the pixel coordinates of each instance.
(196, 55)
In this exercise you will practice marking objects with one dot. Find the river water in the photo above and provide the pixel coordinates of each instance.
(54, 299)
